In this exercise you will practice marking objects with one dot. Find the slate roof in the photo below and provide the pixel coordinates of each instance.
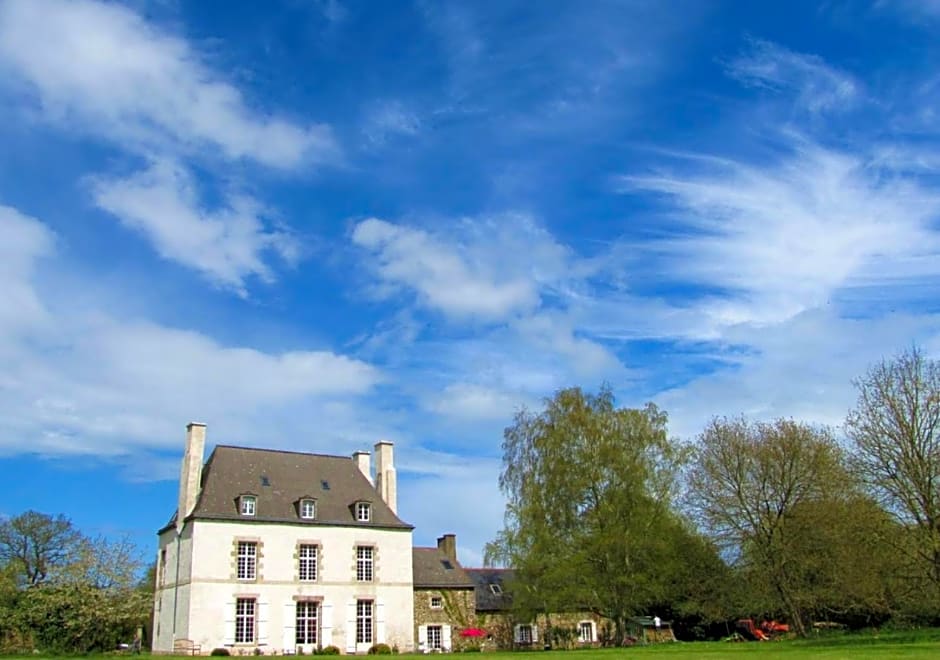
(433, 570)
(279, 480)
(487, 601)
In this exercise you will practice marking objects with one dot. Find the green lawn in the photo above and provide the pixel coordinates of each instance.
(917, 644)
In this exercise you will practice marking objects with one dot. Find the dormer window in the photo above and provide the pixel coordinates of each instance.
(308, 509)
(247, 505)
(363, 511)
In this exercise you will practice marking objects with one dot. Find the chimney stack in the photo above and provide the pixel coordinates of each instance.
(191, 470)
(385, 482)
(364, 463)
(447, 544)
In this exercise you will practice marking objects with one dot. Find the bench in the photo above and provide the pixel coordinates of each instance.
(186, 647)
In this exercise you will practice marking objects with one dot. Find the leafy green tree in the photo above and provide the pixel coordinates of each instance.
(38, 546)
(781, 502)
(895, 427)
(588, 520)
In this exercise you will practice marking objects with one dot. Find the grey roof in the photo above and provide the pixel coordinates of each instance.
(483, 578)
(432, 569)
(279, 480)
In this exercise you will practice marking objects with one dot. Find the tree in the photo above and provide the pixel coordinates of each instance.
(38, 545)
(588, 522)
(895, 427)
(780, 501)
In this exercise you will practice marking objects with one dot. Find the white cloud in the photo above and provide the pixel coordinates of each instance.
(818, 87)
(486, 270)
(474, 402)
(102, 67)
(782, 238)
(95, 382)
(24, 241)
(225, 244)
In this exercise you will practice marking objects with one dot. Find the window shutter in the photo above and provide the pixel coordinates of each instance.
(351, 627)
(422, 638)
(445, 637)
(379, 623)
(290, 623)
(593, 631)
(326, 624)
(264, 616)
(229, 637)
(535, 633)
(517, 633)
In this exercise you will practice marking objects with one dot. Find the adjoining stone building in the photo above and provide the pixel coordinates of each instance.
(283, 552)
(444, 603)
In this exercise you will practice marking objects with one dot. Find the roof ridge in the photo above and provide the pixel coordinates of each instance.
(285, 451)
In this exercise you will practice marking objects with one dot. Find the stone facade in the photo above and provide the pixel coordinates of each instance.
(453, 610)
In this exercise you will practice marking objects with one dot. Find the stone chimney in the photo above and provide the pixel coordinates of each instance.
(191, 470)
(447, 544)
(385, 482)
(364, 463)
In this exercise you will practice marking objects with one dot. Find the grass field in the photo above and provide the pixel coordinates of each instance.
(910, 644)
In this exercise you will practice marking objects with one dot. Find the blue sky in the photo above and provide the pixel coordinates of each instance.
(317, 224)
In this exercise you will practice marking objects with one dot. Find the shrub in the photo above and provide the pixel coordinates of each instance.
(329, 650)
(220, 652)
(380, 649)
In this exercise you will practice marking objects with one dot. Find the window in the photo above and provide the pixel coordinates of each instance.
(162, 567)
(308, 509)
(496, 589)
(437, 603)
(307, 622)
(247, 560)
(524, 633)
(308, 563)
(363, 563)
(435, 638)
(586, 631)
(248, 503)
(363, 622)
(363, 511)
(245, 620)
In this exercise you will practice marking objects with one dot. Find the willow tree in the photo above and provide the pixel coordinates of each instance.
(588, 522)
(895, 427)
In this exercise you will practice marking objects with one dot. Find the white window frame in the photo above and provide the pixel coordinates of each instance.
(246, 623)
(247, 560)
(365, 563)
(363, 511)
(524, 633)
(308, 509)
(496, 590)
(365, 621)
(307, 612)
(437, 602)
(307, 564)
(588, 627)
(248, 505)
(435, 630)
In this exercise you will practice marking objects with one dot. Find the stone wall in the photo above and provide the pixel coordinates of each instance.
(457, 611)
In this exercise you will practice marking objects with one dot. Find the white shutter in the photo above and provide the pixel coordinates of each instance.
(445, 637)
(229, 636)
(379, 623)
(593, 631)
(351, 627)
(535, 633)
(423, 639)
(290, 623)
(264, 623)
(326, 624)
(517, 633)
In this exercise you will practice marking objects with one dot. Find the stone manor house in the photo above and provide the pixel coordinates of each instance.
(278, 552)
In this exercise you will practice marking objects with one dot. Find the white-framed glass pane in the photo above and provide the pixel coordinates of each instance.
(307, 622)
(308, 509)
(364, 622)
(247, 560)
(244, 620)
(307, 558)
(435, 637)
(364, 560)
(248, 505)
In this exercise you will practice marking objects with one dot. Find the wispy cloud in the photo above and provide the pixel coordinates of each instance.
(388, 119)
(25, 240)
(226, 244)
(101, 67)
(816, 85)
(781, 238)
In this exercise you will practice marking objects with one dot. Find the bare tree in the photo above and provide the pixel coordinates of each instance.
(38, 545)
(895, 427)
